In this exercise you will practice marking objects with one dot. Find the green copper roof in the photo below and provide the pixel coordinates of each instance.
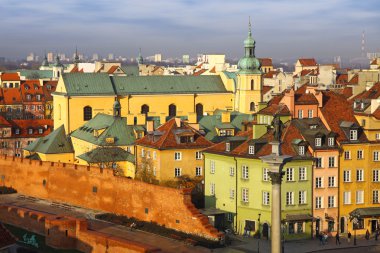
(114, 127)
(88, 84)
(34, 73)
(210, 122)
(110, 154)
(55, 143)
(168, 84)
(131, 70)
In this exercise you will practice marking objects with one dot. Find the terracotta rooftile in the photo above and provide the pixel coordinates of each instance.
(308, 62)
(266, 61)
(10, 77)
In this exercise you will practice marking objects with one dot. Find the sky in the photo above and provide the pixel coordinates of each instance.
(281, 28)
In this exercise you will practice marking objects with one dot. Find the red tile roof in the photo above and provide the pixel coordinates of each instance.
(170, 132)
(200, 72)
(354, 80)
(270, 74)
(266, 61)
(33, 88)
(266, 89)
(212, 70)
(273, 109)
(301, 97)
(308, 62)
(25, 124)
(342, 79)
(12, 96)
(346, 92)
(4, 122)
(372, 93)
(334, 103)
(10, 77)
(112, 69)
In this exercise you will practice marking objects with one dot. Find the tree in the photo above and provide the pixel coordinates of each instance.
(144, 171)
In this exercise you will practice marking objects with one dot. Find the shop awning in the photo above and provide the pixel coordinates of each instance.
(298, 217)
(366, 212)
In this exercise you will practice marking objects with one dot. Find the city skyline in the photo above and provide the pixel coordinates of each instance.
(282, 29)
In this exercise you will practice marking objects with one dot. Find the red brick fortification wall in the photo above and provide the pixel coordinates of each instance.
(64, 232)
(99, 189)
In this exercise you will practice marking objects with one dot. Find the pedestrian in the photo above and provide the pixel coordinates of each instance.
(349, 237)
(337, 239)
(320, 239)
(245, 231)
(325, 238)
(367, 235)
(377, 234)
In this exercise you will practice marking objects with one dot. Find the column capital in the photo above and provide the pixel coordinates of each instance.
(276, 177)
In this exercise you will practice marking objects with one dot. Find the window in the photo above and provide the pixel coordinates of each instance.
(251, 150)
(198, 155)
(331, 162)
(289, 174)
(359, 197)
(360, 154)
(359, 224)
(377, 136)
(177, 172)
(142, 153)
(310, 113)
(232, 171)
(172, 110)
(375, 197)
(347, 176)
(87, 113)
(30, 131)
(177, 156)
(302, 197)
(331, 141)
(244, 195)
(266, 198)
(300, 114)
(17, 144)
(376, 156)
(299, 227)
(265, 174)
(375, 175)
(353, 135)
(289, 198)
(199, 110)
(154, 171)
(291, 228)
(347, 155)
(154, 155)
(229, 217)
(302, 174)
(346, 198)
(232, 193)
(252, 106)
(252, 85)
(332, 182)
(318, 142)
(17, 131)
(301, 150)
(28, 97)
(228, 146)
(38, 97)
(212, 189)
(318, 162)
(144, 109)
(318, 182)
(359, 175)
(318, 202)
(244, 172)
(331, 201)
(40, 131)
(212, 167)
(198, 171)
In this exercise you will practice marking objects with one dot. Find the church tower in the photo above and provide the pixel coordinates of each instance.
(57, 68)
(249, 78)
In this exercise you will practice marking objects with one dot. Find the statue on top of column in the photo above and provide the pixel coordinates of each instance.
(278, 127)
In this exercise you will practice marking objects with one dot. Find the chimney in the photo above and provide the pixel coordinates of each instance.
(288, 100)
(178, 121)
(150, 126)
(319, 96)
(226, 117)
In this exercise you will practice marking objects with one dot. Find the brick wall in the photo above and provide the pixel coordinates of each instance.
(99, 189)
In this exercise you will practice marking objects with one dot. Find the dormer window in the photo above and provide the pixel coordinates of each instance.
(40, 130)
(186, 139)
(251, 150)
(331, 141)
(38, 97)
(318, 142)
(17, 131)
(30, 131)
(228, 147)
(301, 150)
(28, 96)
(353, 135)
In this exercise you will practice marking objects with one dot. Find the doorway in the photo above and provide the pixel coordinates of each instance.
(265, 230)
(317, 227)
(373, 226)
(342, 224)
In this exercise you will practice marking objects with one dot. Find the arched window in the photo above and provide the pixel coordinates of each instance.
(199, 110)
(172, 110)
(252, 106)
(252, 85)
(87, 113)
(144, 109)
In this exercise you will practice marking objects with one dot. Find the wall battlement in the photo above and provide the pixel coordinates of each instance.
(99, 189)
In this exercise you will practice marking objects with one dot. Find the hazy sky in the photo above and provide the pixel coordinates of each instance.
(281, 28)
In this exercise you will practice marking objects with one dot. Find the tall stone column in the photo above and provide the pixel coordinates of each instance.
(276, 162)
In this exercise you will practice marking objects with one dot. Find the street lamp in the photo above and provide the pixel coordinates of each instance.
(258, 241)
(355, 220)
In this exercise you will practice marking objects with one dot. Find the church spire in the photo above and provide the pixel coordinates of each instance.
(76, 57)
(140, 59)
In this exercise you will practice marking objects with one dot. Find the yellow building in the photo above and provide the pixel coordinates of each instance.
(171, 151)
(80, 96)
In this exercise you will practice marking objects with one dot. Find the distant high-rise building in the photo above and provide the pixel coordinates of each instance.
(373, 55)
(62, 57)
(95, 57)
(110, 57)
(50, 57)
(185, 59)
(157, 58)
(30, 57)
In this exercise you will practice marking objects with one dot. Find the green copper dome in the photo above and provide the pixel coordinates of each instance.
(58, 62)
(249, 64)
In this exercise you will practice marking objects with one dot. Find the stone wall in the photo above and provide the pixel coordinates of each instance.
(99, 189)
